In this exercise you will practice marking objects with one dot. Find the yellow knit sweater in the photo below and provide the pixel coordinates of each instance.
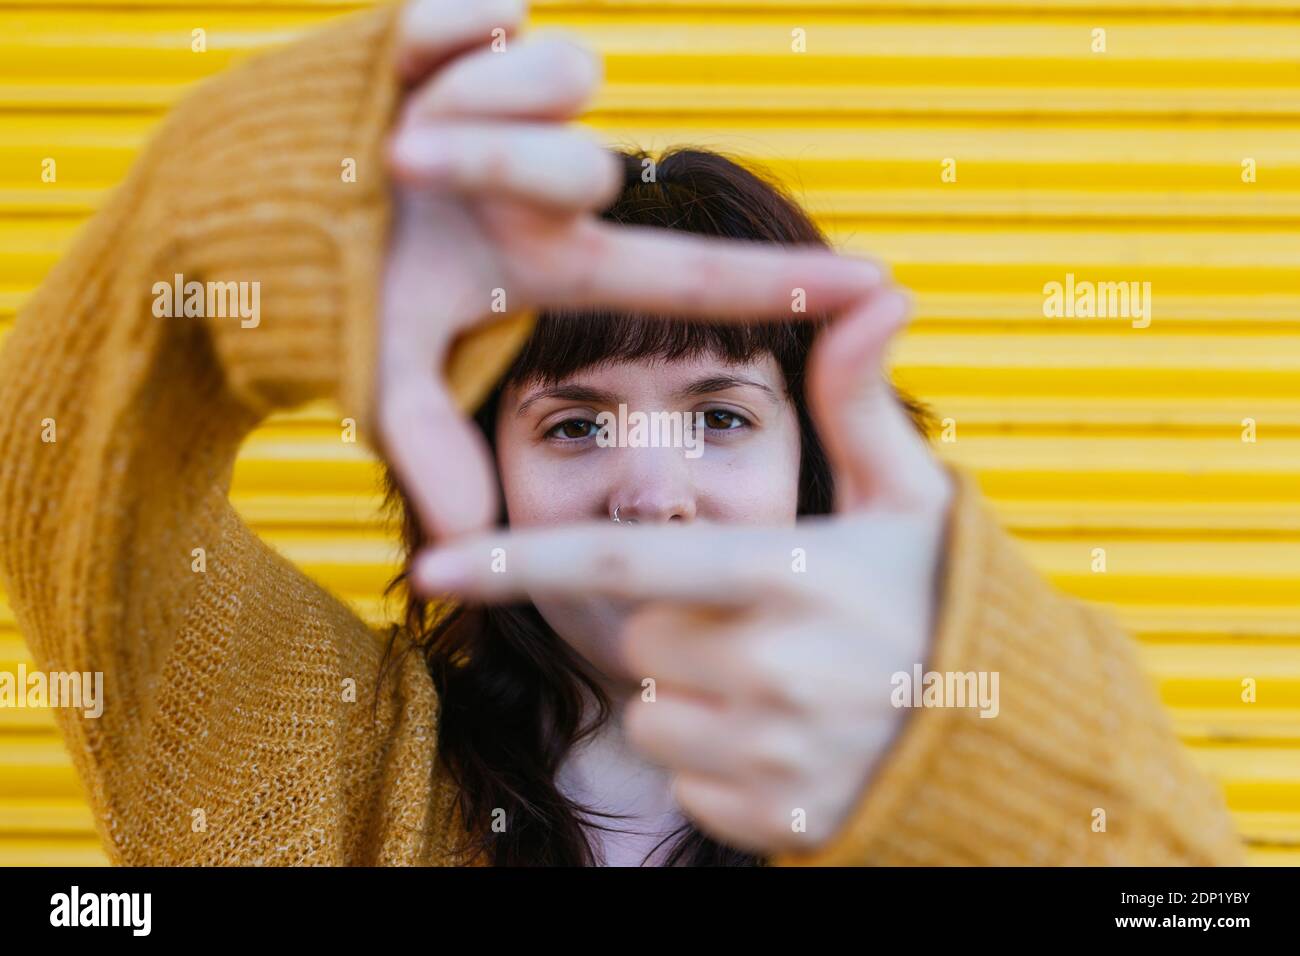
(227, 736)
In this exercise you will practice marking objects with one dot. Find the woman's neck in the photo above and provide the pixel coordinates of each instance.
(604, 773)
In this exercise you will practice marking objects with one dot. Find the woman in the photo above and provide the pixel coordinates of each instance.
(752, 456)
(754, 659)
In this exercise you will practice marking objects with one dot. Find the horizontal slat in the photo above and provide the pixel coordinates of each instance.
(1254, 778)
(1132, 414)
(1111, 361)
(43, 851)
(294, 509)
(49, 818)
(1175, 261)
(1241, 724)
(932, 62)
(1211, 676)
(35, 768)
(1273, 856)
(1006, 311)
(1214, 571)
(272, 461)
(26, 720)
(1074, 516)
(1186, 622)
(1130, 467)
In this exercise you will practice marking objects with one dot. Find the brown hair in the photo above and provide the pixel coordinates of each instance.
(510, 689)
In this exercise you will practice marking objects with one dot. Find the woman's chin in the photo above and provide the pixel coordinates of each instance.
(593, 628)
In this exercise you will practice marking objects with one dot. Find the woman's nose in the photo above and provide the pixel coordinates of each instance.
(654, 487)
(652, 511)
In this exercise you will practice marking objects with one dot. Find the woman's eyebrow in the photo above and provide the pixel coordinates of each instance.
(720, 383)
(572, 392)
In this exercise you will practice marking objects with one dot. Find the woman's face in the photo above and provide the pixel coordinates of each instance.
(692, 440)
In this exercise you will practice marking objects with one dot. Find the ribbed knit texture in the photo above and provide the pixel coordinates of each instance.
(228, 736)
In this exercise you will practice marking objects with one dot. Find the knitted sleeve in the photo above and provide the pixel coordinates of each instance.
(1077, 764)
(227, 733)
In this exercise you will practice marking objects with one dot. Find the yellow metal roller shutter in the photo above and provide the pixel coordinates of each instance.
(984, 150)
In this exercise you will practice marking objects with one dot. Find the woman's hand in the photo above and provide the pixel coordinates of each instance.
(495, 203)
(771, 651)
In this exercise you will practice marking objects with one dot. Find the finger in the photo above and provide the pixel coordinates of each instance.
(682, 733)
(720, 808)
(700, 564)
(546, 77)
(442, 462)
(559, 167)
(875, 451)
(684, 648)
(606, 265)
(431, 32)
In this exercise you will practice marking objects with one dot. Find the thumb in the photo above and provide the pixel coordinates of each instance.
(877, 455)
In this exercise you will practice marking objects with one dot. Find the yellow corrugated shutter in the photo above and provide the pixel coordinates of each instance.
(984, 151)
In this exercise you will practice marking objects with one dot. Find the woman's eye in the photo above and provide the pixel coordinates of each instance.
(722, 420)
(573, 428)
(578, 429)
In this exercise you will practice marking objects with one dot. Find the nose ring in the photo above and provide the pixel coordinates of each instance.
(617, 520)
